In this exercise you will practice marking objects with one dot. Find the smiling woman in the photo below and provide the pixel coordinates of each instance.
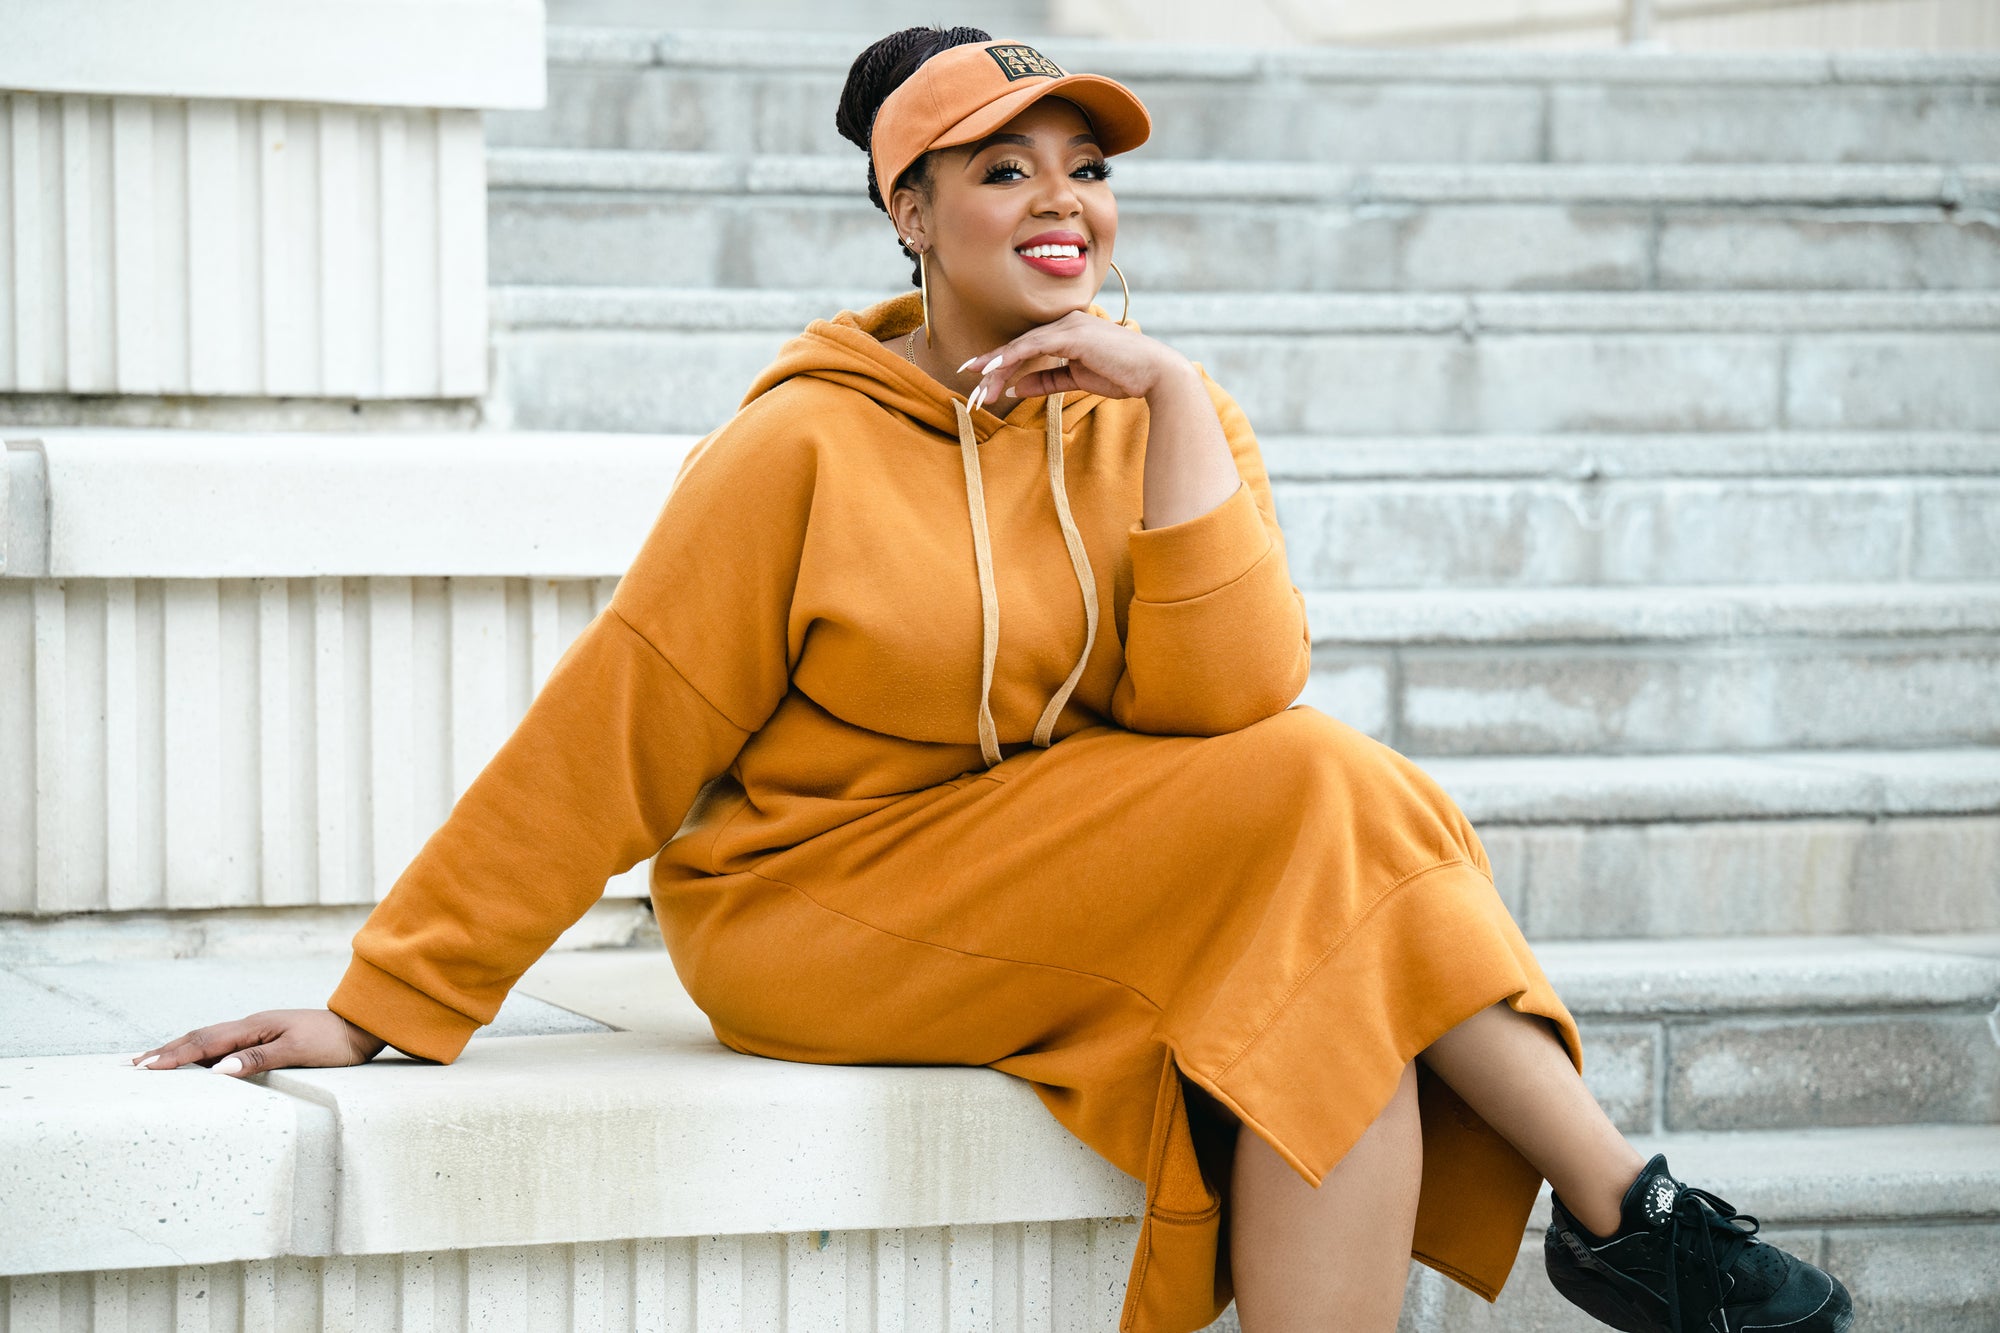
(1243, 951)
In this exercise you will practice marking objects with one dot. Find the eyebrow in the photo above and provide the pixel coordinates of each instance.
(1023, 140)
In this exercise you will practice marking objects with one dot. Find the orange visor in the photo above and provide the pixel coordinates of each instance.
(965, 93)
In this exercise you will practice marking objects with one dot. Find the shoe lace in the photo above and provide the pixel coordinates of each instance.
(1703, 1226)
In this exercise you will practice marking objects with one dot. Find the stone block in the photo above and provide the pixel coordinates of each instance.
(1507, 852)
(605, 238)
(1871, 1070)
(1526, 247)
(1957, 530)
(1933, 1279)
(1854, 248)
(1929, 875)
(1702, 121)
(1394, 535)
(1360, 122)
(1618, 1064)
(1750, 696)
(1624, 382)
(617, 380)
(1905, 381)
(1755, 877)
(1226, 244)
(1352, 687)
(1734, 531)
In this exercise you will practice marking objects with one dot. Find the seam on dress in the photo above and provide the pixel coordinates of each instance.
(640, 635)
(1313, 967)
(950, 948)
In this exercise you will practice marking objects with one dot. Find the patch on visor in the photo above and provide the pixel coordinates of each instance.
(1024, 62)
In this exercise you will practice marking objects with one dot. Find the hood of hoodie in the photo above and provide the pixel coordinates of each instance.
(844, 349)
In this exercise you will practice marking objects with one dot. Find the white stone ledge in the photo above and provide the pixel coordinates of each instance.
(101, 1170)
(185, 504)
(434, 53)
(664, 1132)
(704, 1139)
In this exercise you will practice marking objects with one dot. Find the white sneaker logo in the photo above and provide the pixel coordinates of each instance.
(1660, 1201)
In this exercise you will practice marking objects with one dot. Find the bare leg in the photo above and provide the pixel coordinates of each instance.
(1336, 1257)
(1512, 1069)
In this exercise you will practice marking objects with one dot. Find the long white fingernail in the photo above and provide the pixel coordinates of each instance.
(978, 397)
(230, 1066)
(969, 360)
(1010, 391)
(148, 1060)
(987, 369)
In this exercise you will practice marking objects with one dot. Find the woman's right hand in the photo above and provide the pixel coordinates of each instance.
(273, 1039)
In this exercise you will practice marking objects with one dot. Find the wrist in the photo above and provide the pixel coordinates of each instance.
(1174, 378)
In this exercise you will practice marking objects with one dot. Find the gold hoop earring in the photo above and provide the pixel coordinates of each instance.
(924, 289)
(1126, 287)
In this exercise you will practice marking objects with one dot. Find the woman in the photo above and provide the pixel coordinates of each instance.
(1104, 855)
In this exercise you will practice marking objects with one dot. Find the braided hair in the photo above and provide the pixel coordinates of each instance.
(876, 73)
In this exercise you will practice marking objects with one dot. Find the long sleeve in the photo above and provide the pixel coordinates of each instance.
(1216, 635)
(651, 701)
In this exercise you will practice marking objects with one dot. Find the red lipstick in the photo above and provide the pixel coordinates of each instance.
(1060, 264)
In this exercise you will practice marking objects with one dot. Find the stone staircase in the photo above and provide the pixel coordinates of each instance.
(1632, 419)
(1633, 424)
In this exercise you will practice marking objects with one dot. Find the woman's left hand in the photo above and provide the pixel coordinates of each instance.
(1103, 358)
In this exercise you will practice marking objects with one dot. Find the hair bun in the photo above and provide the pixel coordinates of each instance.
(879, 71)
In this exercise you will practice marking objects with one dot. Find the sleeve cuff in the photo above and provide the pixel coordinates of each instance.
(399, 1013)
(1194, 557)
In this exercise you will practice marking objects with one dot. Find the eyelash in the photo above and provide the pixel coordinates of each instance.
(1100, 167)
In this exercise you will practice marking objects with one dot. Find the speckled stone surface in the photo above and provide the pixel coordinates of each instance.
(132, 1005)
(106, 1166)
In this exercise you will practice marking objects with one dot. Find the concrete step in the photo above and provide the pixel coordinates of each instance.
(1583, 847)
(1719, 845)
(632, 359)
(775, 92)
(1904, 1216)
(780, 1189)
(1432, 534)
(715, 219)
(1660, 669)
(1681, 1034)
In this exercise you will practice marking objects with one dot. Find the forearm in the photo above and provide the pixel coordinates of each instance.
(1189, 470)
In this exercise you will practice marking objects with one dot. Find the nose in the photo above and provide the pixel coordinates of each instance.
(1057, 196)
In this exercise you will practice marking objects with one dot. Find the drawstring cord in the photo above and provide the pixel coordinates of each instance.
(989, 601)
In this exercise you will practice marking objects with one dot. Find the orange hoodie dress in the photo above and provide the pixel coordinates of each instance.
(948, 760)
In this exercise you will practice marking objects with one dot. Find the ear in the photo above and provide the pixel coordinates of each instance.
(907, 211)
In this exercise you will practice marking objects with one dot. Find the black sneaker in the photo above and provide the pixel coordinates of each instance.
(1681, 1262)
